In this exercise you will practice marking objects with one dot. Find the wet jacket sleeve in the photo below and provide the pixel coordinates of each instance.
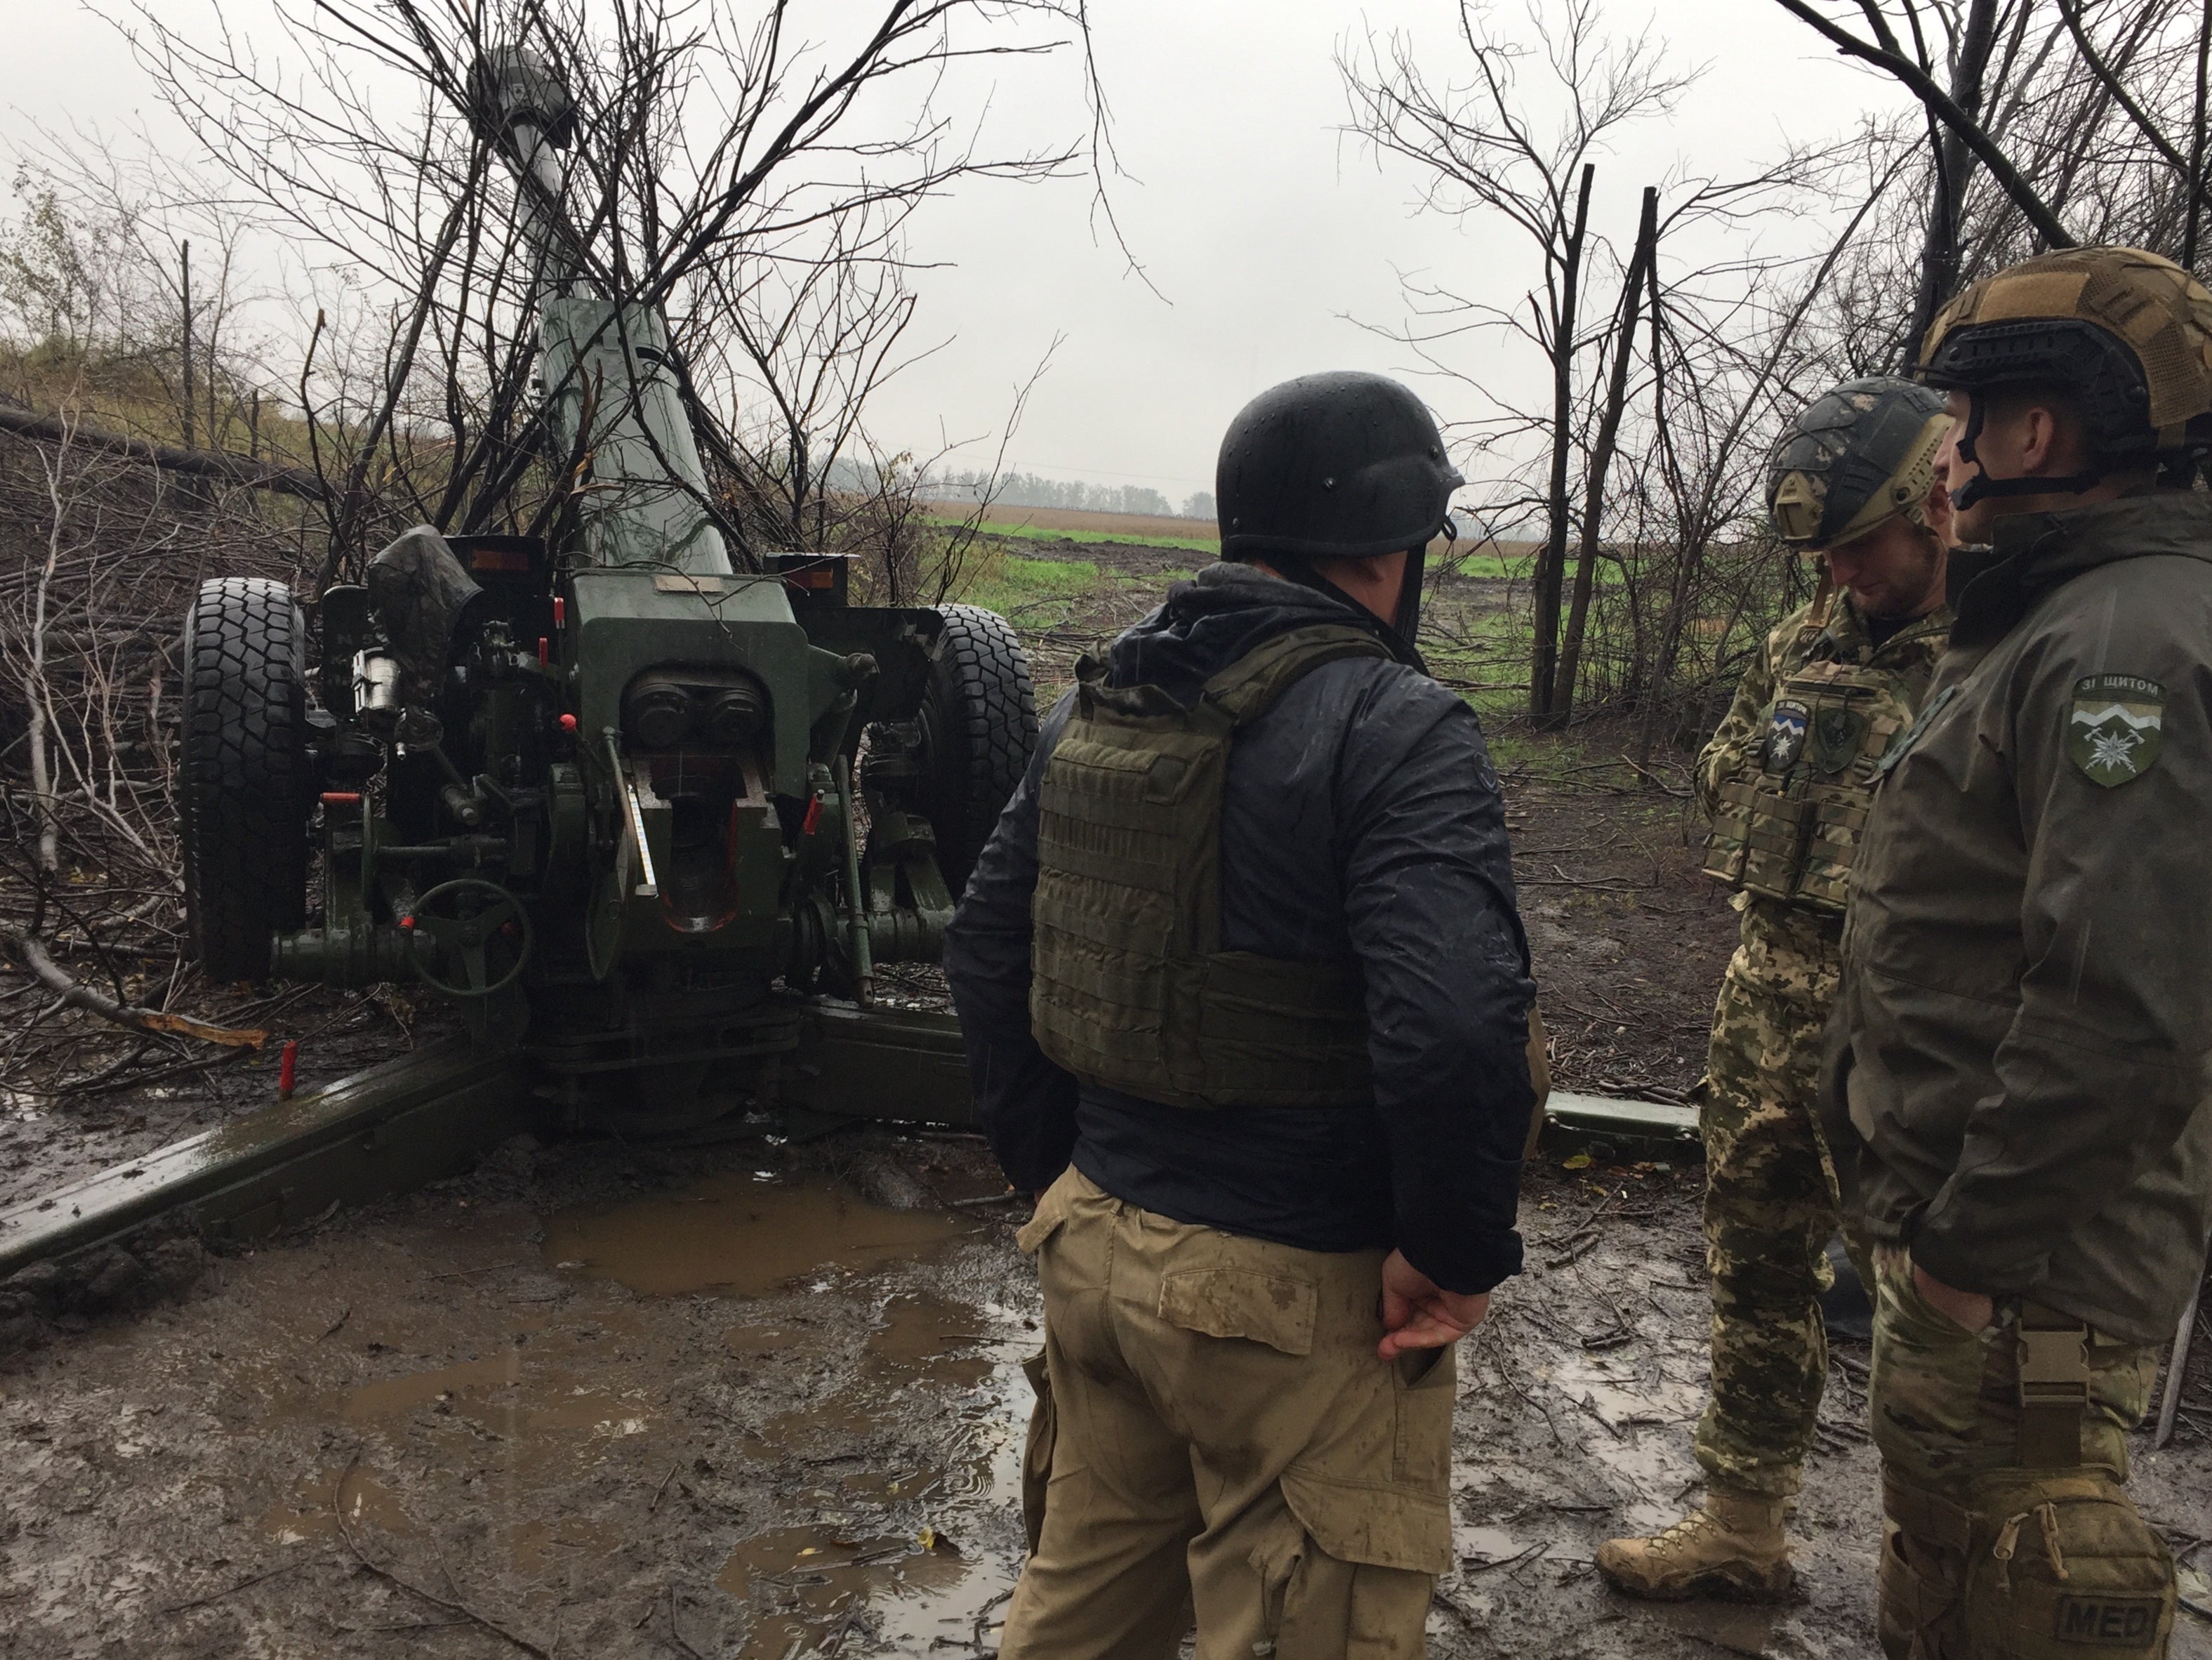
(1027, 1104)
(1722, 757)
(1428, 886)
(2108, 1057)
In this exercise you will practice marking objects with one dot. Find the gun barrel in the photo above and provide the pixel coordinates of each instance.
(603, 361)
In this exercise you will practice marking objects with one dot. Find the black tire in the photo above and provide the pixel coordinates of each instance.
(980, 723)
(242, 792)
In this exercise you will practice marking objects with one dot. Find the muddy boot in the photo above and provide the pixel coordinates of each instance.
(1734, 1548)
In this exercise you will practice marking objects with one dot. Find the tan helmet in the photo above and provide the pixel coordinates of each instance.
(2126, 334)
(1853, 459)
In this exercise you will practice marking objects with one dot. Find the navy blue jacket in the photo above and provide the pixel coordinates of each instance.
(1361, 823)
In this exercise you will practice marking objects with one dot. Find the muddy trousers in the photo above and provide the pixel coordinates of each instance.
(1224, 1443)
(1771, 1202)
(1985, 1556)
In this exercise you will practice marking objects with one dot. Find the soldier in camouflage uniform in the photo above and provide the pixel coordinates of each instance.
(1788, 778)
(2015, 1089)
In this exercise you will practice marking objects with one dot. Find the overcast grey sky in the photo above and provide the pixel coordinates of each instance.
(1269, 235)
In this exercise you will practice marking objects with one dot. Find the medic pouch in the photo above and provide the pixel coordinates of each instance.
(2064, 1564)
(1130, 987)
(1788, 825)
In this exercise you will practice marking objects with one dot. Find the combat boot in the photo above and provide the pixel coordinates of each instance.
(1734, 1548)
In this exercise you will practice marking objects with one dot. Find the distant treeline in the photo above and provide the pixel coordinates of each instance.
(1027, 490)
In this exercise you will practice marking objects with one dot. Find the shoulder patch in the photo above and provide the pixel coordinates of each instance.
(2114, 727)
(1838, 734)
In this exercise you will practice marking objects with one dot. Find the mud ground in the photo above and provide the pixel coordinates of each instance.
(595, 1400)
(584, 1403)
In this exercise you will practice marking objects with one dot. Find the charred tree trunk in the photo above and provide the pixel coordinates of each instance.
(185, 402)
(1602, 452)
(1954, 163)
(1551, 564)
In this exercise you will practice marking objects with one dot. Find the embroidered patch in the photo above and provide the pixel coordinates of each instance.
(2118, 1622)
(1785, 736)
(2115, 728)
(1839, 732)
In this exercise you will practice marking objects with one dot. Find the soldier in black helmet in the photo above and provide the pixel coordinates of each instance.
(1246, 1002)
(1788, 779)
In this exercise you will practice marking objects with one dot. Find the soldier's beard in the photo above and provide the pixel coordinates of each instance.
(1908, 585)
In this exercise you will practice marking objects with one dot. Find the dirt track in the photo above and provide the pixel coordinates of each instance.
(593, 1400)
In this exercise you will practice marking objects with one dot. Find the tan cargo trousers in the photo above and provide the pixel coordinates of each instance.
(1222, 1441)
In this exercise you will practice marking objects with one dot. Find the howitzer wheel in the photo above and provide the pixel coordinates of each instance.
(980, 722)
(243, 791)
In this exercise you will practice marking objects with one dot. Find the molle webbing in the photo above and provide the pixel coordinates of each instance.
(1788, 826)
(1131, 988)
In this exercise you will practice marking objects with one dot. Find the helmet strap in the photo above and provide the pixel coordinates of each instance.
(1407, 622)
(1982, 488)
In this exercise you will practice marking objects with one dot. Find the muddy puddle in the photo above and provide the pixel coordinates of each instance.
(936, 1585)
(740, 1234)
(756, 1415)
(753, 1417)
(903, 1450)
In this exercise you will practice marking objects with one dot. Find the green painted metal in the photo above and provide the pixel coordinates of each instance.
(625, 622)
(1607, 1114)
(397, 1126)
(899, 1066)
(648, 507)
(378, 1132)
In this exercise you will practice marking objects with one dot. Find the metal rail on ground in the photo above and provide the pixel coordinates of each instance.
(397, 1126)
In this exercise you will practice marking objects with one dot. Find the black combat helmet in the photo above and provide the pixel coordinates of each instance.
(1342, 466)
(1855, 459)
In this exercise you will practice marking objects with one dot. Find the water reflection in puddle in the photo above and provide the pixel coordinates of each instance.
(894, 1460)
(910, 1588)
(739, 1235)
(311, 1511)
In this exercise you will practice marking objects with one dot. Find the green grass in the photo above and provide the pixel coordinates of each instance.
(1128, 539)
(1498, 565)
(1023, 590)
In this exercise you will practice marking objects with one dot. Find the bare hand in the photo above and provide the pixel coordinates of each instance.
(1418, 1314)
(1969, 1309)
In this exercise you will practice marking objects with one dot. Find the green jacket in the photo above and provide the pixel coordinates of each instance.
(2023, 1043)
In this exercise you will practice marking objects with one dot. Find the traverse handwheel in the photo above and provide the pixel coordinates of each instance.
(468, 938)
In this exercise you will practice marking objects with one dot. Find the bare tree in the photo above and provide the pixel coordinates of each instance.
(746, 179)
(2079, 121)
(1480, 150)
(1643, 273)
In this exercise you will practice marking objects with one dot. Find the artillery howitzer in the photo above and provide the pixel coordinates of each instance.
(607, 795)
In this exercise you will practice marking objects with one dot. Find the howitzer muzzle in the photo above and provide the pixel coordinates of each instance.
(511, 86)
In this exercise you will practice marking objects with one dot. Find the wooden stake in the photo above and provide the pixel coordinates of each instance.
(2170, 1402)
